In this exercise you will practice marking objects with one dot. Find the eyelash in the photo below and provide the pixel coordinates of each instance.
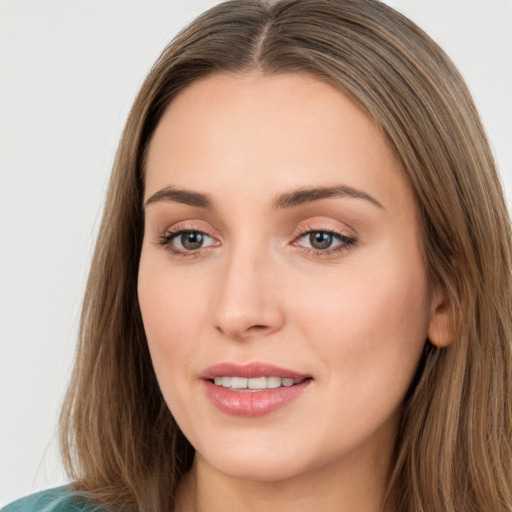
(346, 242)
(167, 238)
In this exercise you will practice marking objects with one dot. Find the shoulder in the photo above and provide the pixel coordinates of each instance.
(60, 499)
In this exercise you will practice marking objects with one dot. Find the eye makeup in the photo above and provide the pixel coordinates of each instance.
(324, 242)
(186, 242)
(318, 239)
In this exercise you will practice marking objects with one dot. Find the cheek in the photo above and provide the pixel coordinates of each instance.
(171, 300)
(389, 309)
(368, 332)
(369, 327)
(380, 291)
(172, 314)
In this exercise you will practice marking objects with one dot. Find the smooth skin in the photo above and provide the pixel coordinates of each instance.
(253, 283)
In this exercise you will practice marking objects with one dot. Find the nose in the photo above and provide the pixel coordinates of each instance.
(247, 299)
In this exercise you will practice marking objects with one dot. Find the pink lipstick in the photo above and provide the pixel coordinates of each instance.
(253, 389)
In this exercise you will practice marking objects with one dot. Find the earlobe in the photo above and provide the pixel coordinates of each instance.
(441, 329)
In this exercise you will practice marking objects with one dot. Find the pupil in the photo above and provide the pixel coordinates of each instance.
(192, 240)
(320, 240)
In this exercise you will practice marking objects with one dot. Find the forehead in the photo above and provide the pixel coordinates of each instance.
(287, 131)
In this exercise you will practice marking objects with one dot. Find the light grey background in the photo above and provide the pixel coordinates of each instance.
(69, 70)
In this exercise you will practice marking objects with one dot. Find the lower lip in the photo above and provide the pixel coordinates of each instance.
(253, 403)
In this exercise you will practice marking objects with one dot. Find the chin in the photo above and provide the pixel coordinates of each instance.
(255, 463)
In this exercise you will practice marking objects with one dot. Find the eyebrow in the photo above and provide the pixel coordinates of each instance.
(288, 200)
(182, 196)
(307, 195)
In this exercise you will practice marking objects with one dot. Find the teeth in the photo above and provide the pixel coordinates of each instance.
(257, 383)
(254, 383)
(239, 382)
(274, 382)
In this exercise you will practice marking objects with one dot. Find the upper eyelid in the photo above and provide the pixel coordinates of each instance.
(326, 226)
(191, 225)
(301, 228)
(174, 233)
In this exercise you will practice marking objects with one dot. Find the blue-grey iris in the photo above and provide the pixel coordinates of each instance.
(320, 239)
(192, 240)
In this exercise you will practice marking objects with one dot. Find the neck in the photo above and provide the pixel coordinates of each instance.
(340, 487)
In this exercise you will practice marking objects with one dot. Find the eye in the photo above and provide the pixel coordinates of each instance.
(191, 240)
(320, 239)
(324, 242)
(186, 242)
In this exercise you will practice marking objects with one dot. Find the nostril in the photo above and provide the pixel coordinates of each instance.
(257, 328)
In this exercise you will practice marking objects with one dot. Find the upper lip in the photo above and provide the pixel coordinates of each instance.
(250, 370)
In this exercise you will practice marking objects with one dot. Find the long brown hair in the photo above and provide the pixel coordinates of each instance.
(119, 440)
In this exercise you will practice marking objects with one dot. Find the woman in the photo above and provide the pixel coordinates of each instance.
(301, 288)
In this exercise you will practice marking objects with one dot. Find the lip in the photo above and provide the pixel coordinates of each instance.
(247, 403)
(250, 370)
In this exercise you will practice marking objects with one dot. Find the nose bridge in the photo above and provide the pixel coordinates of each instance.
(246, 302)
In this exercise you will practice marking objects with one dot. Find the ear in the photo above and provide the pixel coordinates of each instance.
(441, 329)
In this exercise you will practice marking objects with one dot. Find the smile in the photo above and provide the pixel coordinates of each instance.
(255, 383)
(253, 389)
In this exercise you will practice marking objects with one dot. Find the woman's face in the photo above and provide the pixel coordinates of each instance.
(281, 247)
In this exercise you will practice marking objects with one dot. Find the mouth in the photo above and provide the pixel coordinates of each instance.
(254, 384)
(252, 390)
